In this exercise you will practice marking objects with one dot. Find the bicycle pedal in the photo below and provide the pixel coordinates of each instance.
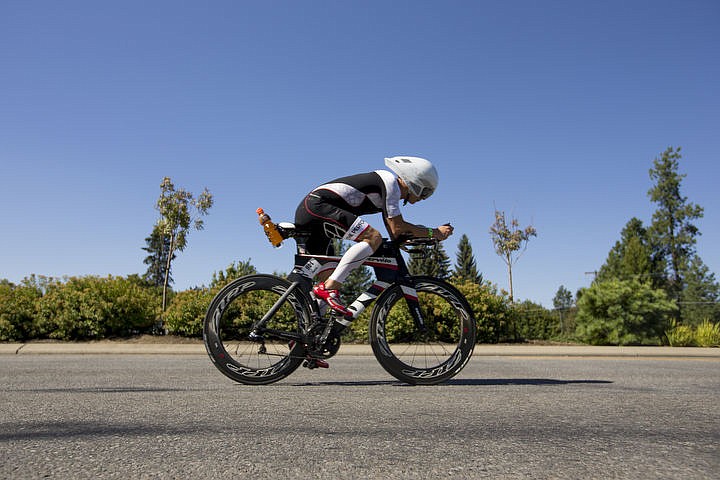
(313, 363)
(345, 316)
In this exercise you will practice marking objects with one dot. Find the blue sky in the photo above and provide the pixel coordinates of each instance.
(551, 111)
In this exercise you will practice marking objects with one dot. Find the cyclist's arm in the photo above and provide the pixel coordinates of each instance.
(397, 227)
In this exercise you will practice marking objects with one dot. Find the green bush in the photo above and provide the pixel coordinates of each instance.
(187, 311)
(17, 311)
(707, 334)
(359, 330)
(680, 336)
(623, 312)
(93, 307)
(492, 311)
(534, 322)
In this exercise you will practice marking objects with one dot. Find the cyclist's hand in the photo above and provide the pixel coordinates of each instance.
(444, 231)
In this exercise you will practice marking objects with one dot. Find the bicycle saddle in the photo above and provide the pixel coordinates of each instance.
(290, 230)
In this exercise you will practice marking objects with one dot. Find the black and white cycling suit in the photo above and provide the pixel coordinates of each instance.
(333, 209)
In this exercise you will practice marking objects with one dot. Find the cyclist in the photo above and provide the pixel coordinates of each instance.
(333, 210)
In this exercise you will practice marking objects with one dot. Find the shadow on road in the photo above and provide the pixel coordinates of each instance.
(66, 430)
(456, 382)
(104, 390)
(522, 381)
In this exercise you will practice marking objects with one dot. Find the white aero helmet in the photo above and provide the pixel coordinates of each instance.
(418, 173)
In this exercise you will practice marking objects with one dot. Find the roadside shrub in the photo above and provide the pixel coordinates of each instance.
(533, 322)
(93, 307)
(623, 312)
(707, 334)
(187, 311)
(680, 335)
(492, 311)
(17, 311)
(359, 330)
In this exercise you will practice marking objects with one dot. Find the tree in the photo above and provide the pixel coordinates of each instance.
(563, 304)
(510, 242)
(179, 212)
(434, 262)
(633, 256)
(465, 266)
(233, 271)
(699, 299)
(672, 226)
(563, 299)
(158, 247)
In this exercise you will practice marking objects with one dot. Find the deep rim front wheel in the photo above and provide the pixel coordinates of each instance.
(429, 355)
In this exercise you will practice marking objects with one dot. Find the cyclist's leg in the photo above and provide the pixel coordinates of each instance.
(326, 221)
(310, 217)
(367, 243)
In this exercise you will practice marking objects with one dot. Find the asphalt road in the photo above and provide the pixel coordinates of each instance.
(156, 416)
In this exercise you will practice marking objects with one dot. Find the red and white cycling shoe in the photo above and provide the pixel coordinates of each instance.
(332, 297)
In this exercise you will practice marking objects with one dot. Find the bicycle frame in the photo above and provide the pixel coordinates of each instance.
(416, 348)
(389, 266)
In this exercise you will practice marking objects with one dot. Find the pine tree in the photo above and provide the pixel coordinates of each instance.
(633, 257)
(563, 303)
(699, 299)
(672, 227)
(465, 266)
(563, 298)
(158, 247)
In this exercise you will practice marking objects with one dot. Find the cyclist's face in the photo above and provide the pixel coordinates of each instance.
(412, 198)
(407, 193)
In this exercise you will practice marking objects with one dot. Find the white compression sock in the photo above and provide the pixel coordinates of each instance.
(352, 259)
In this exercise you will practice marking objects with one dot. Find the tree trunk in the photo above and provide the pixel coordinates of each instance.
(510, 282)
(166, 280)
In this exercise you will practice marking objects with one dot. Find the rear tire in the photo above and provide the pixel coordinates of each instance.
(228, 324)
(423, 357)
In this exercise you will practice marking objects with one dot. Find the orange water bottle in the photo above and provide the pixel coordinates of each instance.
(271, 230)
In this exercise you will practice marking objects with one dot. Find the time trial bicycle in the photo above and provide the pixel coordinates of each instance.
(260, 328)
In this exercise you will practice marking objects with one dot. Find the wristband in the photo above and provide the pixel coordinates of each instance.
(430, 233)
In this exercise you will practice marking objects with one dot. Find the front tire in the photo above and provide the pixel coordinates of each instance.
(423, 357)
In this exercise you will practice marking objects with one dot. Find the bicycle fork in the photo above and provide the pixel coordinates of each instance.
(413, 303)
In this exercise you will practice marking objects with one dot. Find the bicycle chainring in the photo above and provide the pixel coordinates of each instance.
(329, 348)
